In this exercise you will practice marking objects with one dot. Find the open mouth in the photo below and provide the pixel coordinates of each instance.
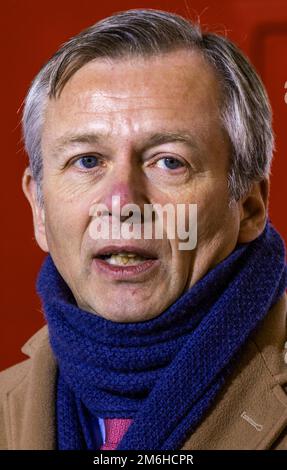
(126, 263)
(123, 259)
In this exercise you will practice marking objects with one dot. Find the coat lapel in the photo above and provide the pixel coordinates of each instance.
(32, 403)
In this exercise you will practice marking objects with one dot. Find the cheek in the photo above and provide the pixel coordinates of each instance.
(213, 212)
(65, 223)
(217, 222)
(63, 186)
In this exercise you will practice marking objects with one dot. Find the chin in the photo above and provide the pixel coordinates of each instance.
(124, 314)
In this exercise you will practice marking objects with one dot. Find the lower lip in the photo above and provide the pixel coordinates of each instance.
(123, 273)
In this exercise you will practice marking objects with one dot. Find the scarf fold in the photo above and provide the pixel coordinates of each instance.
(166, 372)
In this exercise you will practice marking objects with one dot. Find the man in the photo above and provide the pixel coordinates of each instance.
(150, 345)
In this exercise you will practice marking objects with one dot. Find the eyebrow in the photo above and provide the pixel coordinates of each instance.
(159, 138)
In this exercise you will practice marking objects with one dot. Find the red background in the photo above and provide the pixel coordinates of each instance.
(31, 32)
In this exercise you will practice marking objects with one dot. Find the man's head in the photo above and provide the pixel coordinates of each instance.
(144, 106)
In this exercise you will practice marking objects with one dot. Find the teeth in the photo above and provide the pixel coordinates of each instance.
(126, 255)
(124, 259)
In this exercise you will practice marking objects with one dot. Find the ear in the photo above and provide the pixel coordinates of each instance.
(29, 187)
(253, 211)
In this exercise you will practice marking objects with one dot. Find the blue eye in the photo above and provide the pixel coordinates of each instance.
(170, 163)
(89, 161)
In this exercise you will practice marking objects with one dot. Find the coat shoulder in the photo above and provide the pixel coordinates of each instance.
(11, 377)
(14, 384)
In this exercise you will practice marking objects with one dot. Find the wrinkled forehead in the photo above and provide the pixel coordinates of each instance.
(179, 75)
(134, 95)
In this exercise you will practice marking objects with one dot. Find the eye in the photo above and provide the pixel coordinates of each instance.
(169, 163)
(88, 161)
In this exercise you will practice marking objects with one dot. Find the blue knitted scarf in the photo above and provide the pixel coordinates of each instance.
(166, 372)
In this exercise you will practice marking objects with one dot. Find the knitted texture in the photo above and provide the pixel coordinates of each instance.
(165, 372)
(115, 430)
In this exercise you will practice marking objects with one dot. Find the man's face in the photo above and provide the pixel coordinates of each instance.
(106, 135)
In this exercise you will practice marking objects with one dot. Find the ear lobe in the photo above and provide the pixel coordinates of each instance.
(253, 211)
(29, 187)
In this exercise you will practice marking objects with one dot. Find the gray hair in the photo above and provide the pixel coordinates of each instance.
(245, 109)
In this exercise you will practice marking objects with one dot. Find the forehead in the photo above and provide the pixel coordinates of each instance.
(175, 88)
(182, 72)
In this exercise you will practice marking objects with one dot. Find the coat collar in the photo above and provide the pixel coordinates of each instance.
(249, 413)
(31, 403)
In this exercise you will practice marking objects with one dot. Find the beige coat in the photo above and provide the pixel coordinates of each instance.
(250, 412)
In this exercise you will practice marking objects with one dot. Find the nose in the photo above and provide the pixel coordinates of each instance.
(125, 186)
